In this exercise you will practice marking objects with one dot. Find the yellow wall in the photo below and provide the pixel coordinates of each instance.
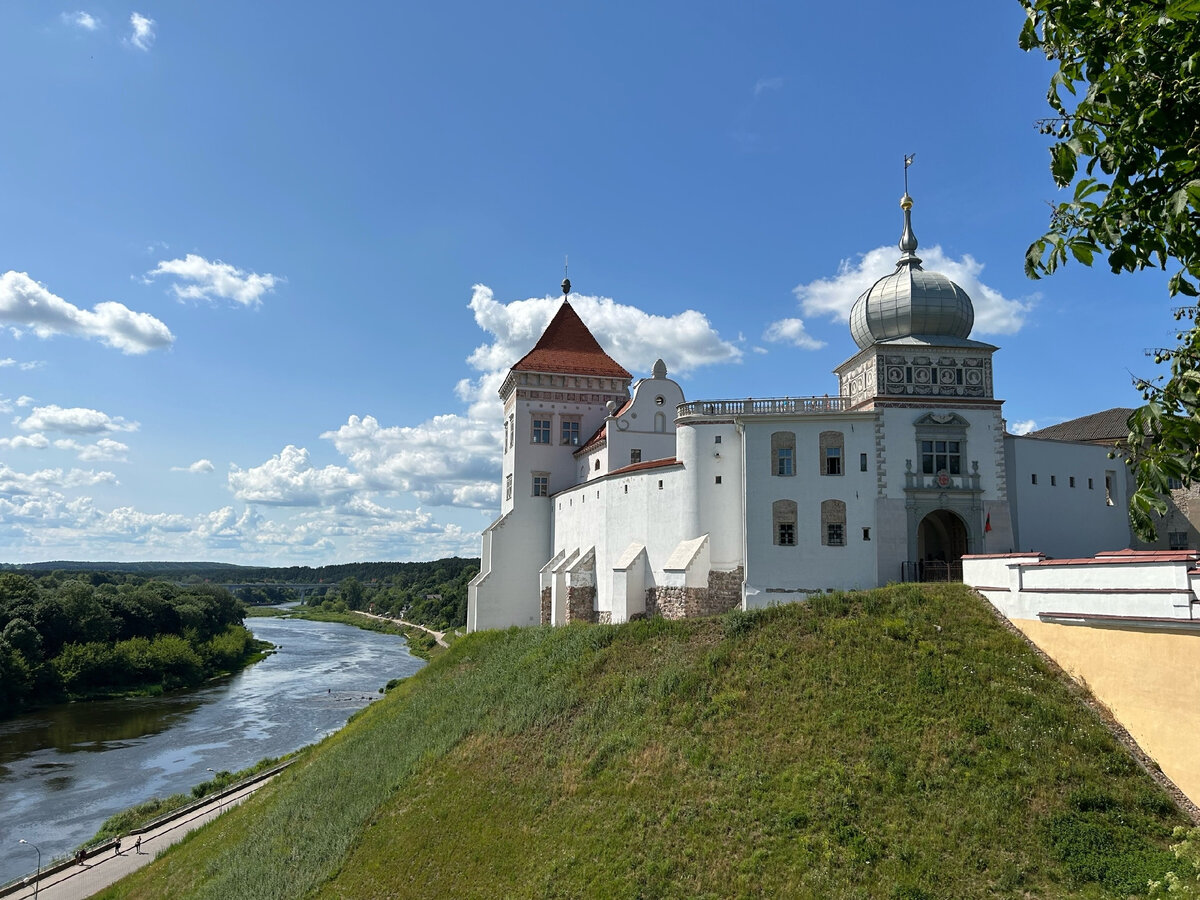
(1150, 681)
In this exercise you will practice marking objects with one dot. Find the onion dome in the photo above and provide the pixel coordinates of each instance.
(911, 302)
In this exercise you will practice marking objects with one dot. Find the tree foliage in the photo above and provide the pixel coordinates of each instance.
(1130, 145)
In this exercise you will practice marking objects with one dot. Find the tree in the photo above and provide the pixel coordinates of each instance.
(1135, 132)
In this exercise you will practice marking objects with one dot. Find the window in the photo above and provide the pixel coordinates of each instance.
(541, 431)
(783, 453)
(717, 439)
(866, 534)
(783, 522)
(659, 400)
(718, 479)
(541, 484)
(939, 455)
(660, 484)
(784, 461)
(570, 431)
(1174, 483)
(1090, 485)
(1071, 481)
(1033, 478)
(506, 435)
(862, 462)
(831, 446)
(507, 487)
(635, 456)
(1053, 481)
(1177, 540)
(833, 523)
(1109, 477)
(597, 465)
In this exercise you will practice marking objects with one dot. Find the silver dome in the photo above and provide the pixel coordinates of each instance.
(911, 301)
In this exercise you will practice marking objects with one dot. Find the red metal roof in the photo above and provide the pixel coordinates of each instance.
(648, 464)
(598, 434)
(567, 346)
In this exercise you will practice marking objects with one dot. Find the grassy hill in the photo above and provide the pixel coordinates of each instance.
(895, 744)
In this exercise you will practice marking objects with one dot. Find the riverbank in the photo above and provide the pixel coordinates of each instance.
(423, 642)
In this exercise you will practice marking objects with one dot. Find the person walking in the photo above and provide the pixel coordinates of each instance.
(137, 847)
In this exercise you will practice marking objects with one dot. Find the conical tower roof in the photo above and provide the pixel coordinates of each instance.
(568, 347)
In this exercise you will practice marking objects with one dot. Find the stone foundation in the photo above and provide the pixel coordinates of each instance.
(724, 592)
(581, 604)
(545, 606)
(605, 617)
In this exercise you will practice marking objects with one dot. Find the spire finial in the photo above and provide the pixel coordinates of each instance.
(566, 284)
(908, 240)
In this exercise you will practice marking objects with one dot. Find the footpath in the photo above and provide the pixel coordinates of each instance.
(106, 864)
(439, 636)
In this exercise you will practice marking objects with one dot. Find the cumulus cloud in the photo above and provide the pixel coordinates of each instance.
(103, 450)
(448, 461)
(290, 479)
(1022, 427)
(27, 304)
(25, 400)
(199, 467)
(205, 280)
(791, 331)
(24, 441)
(142, 35)
(81, 19)
(832, 297)
(14, 483)
(685, 341)
(75, 420)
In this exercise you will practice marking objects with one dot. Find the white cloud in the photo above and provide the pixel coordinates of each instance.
(81, 19)
(24, 400)
(1022, 427)
(25, 441)
(14, 483)
(76, 420)
(103, 450)
(832, 297)
(207, 280)
(767, 84)
(289, 479)
(635, 339)
(791, 331)
(199, 467)
(29, 304)
(143, 31)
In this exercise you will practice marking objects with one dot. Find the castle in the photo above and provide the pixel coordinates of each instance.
(622, 499)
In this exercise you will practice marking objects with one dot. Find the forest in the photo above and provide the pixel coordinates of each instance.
(65, 637)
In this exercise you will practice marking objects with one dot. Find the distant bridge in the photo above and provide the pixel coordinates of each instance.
(302, 590)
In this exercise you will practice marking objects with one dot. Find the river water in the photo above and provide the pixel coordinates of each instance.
(67, 768)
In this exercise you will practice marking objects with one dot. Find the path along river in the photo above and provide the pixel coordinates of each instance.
(65, 769)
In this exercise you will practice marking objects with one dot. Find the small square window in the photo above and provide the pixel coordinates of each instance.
(1034, 476)
(1053, 481)
(787, 534)
(660, 485)
(717, 439)
(635, 456)
(835, 534)
(718, 479)
(1177, 540)
(866, 534)
(597, 466)
(862, 462)
(1072, 481)
(541, 485)
(541, 431)
(1090, 485)
(1174, 483)
(570, 432)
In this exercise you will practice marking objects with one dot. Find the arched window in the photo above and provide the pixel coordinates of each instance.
(783, 522)
(783, 453)
(660, 423)
(833, 523)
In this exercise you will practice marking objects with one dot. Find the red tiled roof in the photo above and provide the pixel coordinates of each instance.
(598, 434)
(567, 346)
(648, 464)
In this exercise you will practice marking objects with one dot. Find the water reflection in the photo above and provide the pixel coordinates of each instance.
(65, 769)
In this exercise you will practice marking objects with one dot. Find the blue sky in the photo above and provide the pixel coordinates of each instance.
(262, 264)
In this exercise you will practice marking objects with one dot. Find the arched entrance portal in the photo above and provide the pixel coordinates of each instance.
(941, 544)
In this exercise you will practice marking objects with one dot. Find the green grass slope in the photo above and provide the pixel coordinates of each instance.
(897, 744)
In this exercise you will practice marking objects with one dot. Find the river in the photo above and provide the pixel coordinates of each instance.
(67, 768)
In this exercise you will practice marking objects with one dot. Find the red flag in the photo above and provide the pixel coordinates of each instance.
(987, 526)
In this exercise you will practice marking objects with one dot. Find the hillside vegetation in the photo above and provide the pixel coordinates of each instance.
(897, 744)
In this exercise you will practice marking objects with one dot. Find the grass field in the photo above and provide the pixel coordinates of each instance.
(896, 744)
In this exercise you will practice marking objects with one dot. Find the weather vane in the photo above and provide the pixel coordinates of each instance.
(566, 283)
(907, 162)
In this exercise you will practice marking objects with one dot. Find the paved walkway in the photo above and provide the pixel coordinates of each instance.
(105, 866)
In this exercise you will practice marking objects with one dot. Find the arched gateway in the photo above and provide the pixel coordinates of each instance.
(942, 541)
